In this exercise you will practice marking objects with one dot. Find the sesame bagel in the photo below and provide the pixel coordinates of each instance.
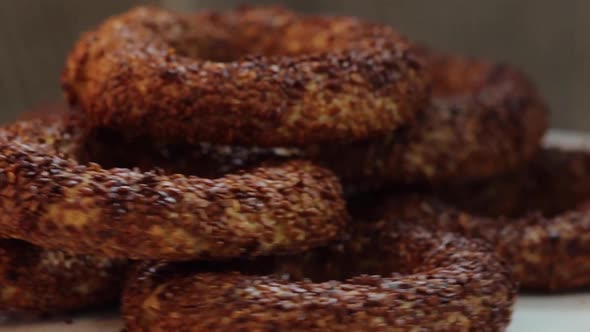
(252, 76)
(381, 276)
(484, 119)
(537, 218)
(53, 198)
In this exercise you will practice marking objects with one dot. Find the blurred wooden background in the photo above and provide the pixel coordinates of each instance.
(549, 39)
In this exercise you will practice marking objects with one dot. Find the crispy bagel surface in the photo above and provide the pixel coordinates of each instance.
(263, 76)
(484, 119)
(52, 200)
(381, 276)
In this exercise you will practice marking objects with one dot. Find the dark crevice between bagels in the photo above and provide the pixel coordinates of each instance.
(114, 149)
(554, 182)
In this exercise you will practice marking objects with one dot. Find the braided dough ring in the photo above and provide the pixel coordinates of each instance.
(52, 200)
(484, 119)
(537, 218)
(261, 76)
(442, 282)
(35, 280)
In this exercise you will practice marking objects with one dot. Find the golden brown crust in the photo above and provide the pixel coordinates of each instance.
(420, 279)
(484, 119)
(261, 76)
(545, 234)
(35, 280)
(50, 199)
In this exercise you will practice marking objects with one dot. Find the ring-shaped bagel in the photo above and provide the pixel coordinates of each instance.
(253, 76)
(484, 119)
(35, 280)
(419, 279)
(536, 218)
(52, 200)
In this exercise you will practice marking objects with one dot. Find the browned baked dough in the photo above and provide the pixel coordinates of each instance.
(535, 218)
(35, 280)
(382, 276)
(263, 76)
(52, 200)
(484, 119)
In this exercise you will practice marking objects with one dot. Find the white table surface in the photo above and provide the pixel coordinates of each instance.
(533, 313)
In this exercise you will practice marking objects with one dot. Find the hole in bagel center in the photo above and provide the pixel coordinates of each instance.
(225, 52)
(234, 43)
(113, 149)
(211, 50)
(324, 264)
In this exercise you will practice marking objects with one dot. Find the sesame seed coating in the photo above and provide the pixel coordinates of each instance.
(418, 280)
(263, 76)
(535, 217)
(35, 280)
(52, 200)
(484, 119)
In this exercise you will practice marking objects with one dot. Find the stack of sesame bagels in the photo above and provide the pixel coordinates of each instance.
(257, 169)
